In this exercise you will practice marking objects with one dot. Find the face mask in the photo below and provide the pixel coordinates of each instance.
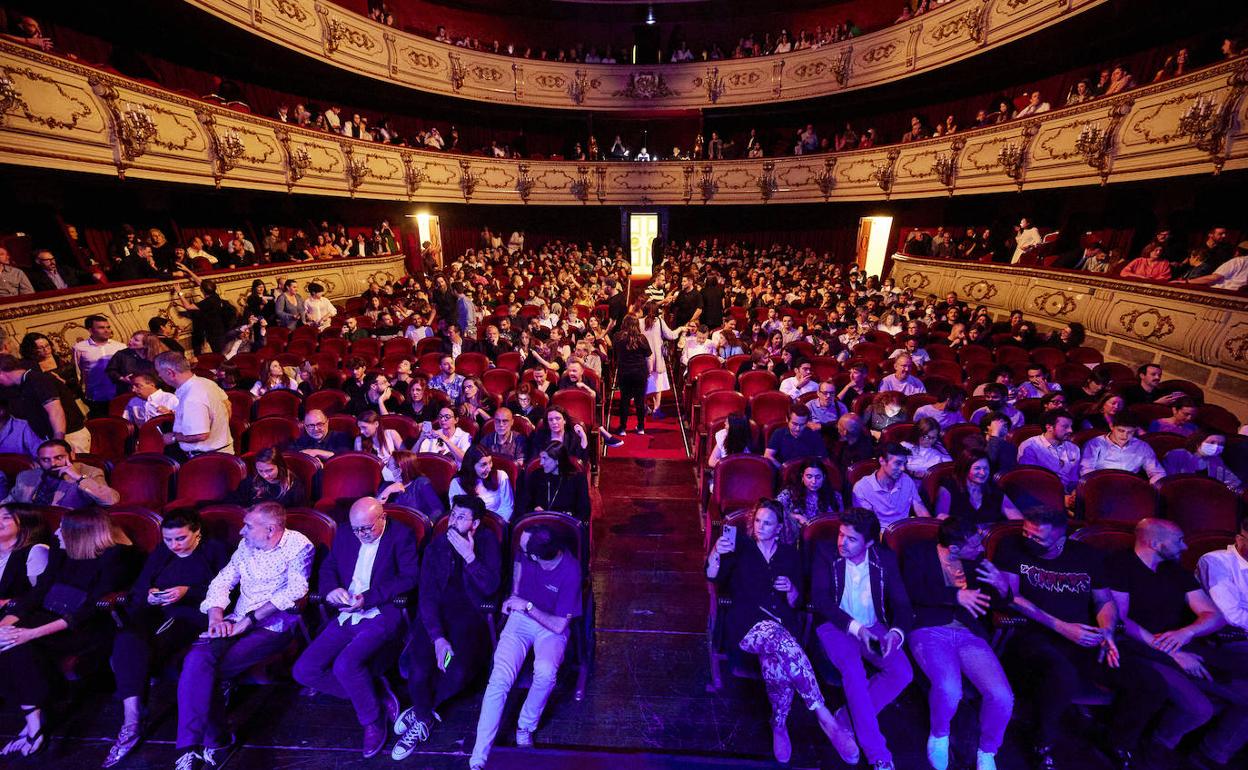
(892, 411)
(1210, 449)
(1033, 548)
(995, 405)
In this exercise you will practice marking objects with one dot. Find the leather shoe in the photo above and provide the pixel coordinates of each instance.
(374, 739)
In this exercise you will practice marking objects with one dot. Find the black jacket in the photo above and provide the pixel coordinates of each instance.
(40, 281)
(482, 578)
(395, 567)
(936, 604)
(888, 590)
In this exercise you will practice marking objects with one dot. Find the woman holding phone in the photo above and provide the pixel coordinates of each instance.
(162, 616)
(762, 576)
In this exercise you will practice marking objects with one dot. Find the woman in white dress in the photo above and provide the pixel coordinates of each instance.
(656, 330)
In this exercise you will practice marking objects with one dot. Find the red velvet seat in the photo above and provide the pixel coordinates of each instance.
(949, 370)
(279, 403)
(703, 362)
(499, 382)
(510, 360)
(428, 363)
(1148, 412)
(1163, 443)
(752, 383)
(929, 486)
(397, 346)
(12, 464)
(1108, 538)
(1048, 357)
(141, 525)
(974, 354)
(241, 403)
(150, 437)
(117, 405)
(709, 381)
(336, 346)
(331, 401)
(896, 433)
(1198, 503)
(824, 367)
(366, 347)
(1118, 496)
(248, 365)
(416, 521)
(1086, 356)
(1082, 437)
(1201, 543)
(900, 535)
(1030, 486)
(110, 436)
(144, 479)
(303, 333)
(271, 432)
(223, 522)
(770, 407)
(999, 533)
(1186, 386)
(1019, 435)
(405, 426)
(346, 478)
(958, 437)
(315, 526)
(1118, 373)
(579, 405)
(344, 423)
(208, 478)
(301, 347)
(739, 481)
(428, 345)
(472, 364)
(861, 470)
(1216, 418)
(872, 352)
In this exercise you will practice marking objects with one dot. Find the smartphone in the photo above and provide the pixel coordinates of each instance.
(446, 659)
(730, 534)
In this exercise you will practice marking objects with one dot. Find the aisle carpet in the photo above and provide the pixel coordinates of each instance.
(661, 442)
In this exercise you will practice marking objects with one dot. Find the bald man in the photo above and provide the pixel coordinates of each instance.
(317, 440)
(1168, 618)
(370, 564)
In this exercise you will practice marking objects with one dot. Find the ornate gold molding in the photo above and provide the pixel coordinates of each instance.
(1138, 137)
(956, 31)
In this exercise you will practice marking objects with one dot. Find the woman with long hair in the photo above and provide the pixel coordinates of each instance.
(1102, 416)
(478, 477)
(972, 494)
(272, 481)
(36, 348)
(656, 331)
(141, 349)
(632, 352)
(474, 402)
(23, 550)
(378, 442)
(807, 496)
(557, 484)
(558, 425)
(733, 438)
(413, 489)
(275, 377)
(93, 560)
(443, 437)
(162, 617)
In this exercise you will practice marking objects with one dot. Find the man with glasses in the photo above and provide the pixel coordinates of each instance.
(318, 440)
(504, 440)
(546, 596)
(49, 276)
(796, 440)
(824, 408)
(369, 565)
(270, 569)
(460, 571)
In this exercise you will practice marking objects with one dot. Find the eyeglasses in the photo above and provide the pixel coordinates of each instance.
(363, 530)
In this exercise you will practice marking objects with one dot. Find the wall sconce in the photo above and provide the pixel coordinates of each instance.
(1012, 158)
(945, 168)
(137, 130)
(767, 184)
(8, 96)
(714, 85)
(524, 183)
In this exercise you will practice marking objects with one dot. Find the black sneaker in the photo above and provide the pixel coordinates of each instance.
(614, 441)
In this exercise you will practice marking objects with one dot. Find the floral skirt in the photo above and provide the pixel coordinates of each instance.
(786, 669)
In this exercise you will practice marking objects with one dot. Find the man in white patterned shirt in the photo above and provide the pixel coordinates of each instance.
(270, 569)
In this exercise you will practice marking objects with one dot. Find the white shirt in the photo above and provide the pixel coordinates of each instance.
(139, 411)
(856, 600)
(1234, 274)
(500, 501)
(459, 438)
(1224, 575)
(318, 311)
(91, 359)
(278, 576)
(1025, 240)
(790, 388)
(203, 408)
(361, 579)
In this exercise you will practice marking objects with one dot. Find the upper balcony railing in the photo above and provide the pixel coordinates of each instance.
(60, 114)
(956, 31)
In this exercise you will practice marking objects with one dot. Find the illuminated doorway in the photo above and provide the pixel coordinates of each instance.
(643, 229)
(873, 239)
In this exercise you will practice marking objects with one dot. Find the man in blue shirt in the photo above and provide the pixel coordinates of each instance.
(797, 441)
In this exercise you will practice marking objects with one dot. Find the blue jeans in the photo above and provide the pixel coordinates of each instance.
(865, 696)
(201, 712)
(1194, 702)
(339, 662)
(946, 654)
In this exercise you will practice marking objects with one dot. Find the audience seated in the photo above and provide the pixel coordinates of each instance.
(61, 480)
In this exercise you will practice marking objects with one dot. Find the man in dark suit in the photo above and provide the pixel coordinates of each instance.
(455, 342)
(49, 276)
(493, 345)
(370, 564)
(450, 645)
(864, 615)
(317, 440)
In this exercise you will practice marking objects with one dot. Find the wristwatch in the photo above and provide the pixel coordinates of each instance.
(528, 607)
(251, 616)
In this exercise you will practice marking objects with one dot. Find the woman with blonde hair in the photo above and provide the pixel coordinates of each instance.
(93, 561)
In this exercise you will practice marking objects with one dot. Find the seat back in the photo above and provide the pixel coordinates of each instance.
(1198, 503)
(438, 469)
(417, 522)
(315, 526)
(472, 364)
(770, 407)
(713, 380)
(331, 401)
(579, 405)
(511, 361)
(209, 478)
(1201, 543)
(961, 436)
(1114, 495)
(899, 536)
(1108, 538)
(144, 479)
(405, 426)
(279, 403)
(999, 533)
(110, 436)
(861, 469)
(12, 463)
(499, 382)
(740, 480)
(897, 432)
(1031, 486)
(223, 522)
(752, 383)
(141, 525)
(1162, 442)
(949, 370)
(929, 487)
(346, 478)
(720, 404)
(703, 362)
(567, 533)
(271, 431)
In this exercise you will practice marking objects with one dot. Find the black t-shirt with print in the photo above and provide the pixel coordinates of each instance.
(1061, 587)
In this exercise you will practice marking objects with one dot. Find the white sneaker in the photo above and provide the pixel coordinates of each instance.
(985, 761)
(524, 739)
(938, 752)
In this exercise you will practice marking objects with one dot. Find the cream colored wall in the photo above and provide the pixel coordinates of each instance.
(1194, 335)
(130, 306)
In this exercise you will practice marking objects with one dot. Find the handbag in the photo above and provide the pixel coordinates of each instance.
(64, 600)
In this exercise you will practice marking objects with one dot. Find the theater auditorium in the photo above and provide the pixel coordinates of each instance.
(624, 384)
